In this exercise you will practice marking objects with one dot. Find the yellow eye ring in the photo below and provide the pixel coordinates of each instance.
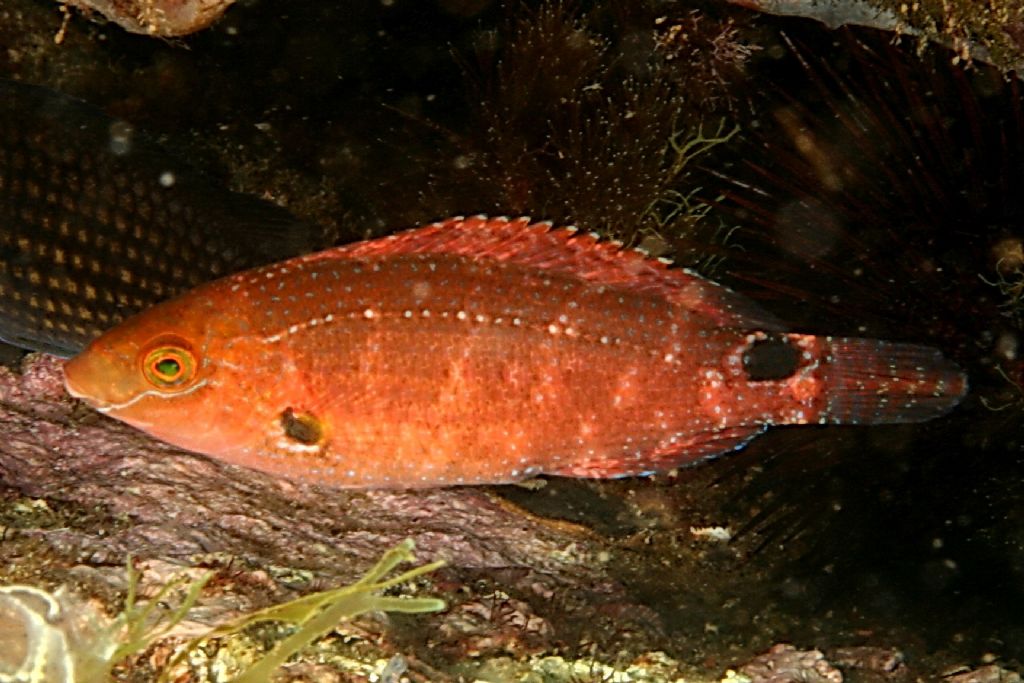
(167, 367)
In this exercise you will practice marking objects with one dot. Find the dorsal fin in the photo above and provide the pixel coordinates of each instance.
(566, 251)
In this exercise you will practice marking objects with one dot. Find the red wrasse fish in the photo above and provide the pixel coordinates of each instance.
(484, 351)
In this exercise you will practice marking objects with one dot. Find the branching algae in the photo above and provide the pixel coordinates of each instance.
(53, 638)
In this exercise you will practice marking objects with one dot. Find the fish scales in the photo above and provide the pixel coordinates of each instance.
(97, 222)
(485, 351)
(466, 329)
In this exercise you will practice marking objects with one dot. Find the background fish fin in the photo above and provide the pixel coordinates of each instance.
(261, 232)
(91, 172)
(28, 339)
(569, 252)
(666, 456)
(270, 232)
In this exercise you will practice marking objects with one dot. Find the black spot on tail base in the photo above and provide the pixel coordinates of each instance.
(770, 359)
(302, 427)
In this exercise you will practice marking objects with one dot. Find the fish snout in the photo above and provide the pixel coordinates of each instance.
(101, 380)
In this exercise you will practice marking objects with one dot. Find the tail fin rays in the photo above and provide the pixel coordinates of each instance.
(879, 382)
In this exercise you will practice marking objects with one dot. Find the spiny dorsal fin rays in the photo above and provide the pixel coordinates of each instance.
(567, 251)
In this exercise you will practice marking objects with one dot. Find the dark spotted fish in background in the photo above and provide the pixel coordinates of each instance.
(485, 351)
(97, 223)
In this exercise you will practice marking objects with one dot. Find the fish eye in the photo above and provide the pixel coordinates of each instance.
(167, 367)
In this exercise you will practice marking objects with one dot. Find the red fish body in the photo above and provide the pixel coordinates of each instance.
(485, 351)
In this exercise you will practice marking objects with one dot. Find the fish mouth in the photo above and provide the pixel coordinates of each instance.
(84, 379)
(81, 394)
(69, 382)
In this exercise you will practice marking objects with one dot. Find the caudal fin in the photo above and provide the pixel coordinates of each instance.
(878, 382)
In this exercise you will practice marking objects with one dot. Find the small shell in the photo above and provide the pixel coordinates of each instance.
(51, 637)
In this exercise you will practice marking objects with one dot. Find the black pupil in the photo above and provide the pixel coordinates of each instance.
(168, 367)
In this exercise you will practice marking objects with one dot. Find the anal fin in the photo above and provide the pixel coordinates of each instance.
(675, 451)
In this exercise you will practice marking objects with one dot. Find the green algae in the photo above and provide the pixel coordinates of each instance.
(676, 211)
(62, 638)
(139, 626)
(315, 615)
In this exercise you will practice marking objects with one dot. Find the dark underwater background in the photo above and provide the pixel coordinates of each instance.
(850, 182)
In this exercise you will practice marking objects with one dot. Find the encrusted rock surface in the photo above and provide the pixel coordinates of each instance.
(163, 18)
